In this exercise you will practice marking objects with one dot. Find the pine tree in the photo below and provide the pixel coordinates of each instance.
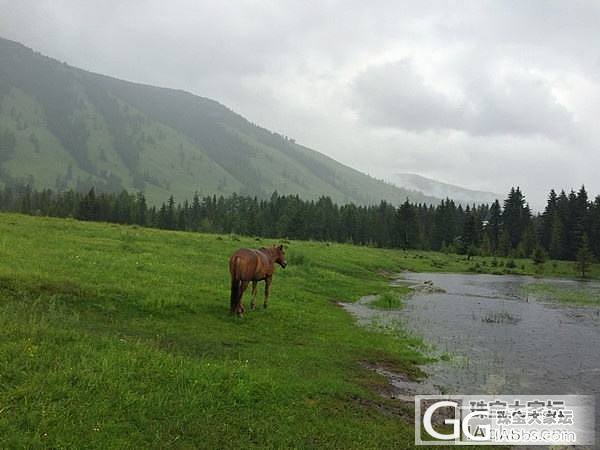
(88, 207)
(181, 219)
(471, 231)
(170, 221)
(515, 217)
(162, 220)
(493, 227)
(446, 226)
(579, 216)
(528, 242)
(593, 228)
(195, 213)
(407, 231)
(141, 210)
(584, 257)
(548, 220)
(504, 248)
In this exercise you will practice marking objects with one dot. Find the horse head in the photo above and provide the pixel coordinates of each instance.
(279, 256)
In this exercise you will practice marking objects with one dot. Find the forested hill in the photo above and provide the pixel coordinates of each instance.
(62, 127)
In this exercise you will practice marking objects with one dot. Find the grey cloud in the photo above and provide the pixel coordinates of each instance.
(386, 86)
(395, 95)
(518, 106)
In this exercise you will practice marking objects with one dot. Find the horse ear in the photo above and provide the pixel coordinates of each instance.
(280, 246)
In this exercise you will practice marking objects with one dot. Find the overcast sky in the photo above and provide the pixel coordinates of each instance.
(481, 94)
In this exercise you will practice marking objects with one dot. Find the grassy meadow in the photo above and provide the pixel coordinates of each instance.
(119, 337)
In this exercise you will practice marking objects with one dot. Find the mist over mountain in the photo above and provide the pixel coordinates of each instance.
(63, 127)
(439, 189)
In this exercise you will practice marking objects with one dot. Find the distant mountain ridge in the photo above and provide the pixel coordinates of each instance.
(439, 189)
(63, 127)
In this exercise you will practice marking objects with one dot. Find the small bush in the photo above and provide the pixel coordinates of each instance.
(510, 264)
(539, 256)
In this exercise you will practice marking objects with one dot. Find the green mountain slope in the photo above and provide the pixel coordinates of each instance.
(64, 127)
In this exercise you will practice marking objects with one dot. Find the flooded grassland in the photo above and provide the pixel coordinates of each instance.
(496, 334)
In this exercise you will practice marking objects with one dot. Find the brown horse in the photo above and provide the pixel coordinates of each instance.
(247, 265)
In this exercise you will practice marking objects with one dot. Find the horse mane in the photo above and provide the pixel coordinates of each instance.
(268, 250)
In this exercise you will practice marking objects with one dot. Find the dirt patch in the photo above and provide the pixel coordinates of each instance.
(402, 410)
(399, 386)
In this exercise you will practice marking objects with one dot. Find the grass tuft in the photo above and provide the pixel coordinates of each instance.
(391, 299)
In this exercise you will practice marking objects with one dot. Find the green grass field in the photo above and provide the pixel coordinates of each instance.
(120, 337)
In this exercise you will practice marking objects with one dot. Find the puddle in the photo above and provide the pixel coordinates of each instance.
(501, 341)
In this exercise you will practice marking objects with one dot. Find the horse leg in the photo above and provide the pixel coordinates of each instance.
(267, 290)
(253, 304)
(235, 295)
(240, 305)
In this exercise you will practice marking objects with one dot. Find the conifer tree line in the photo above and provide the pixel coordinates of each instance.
(569, 225)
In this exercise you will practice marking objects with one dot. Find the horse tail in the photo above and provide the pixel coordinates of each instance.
(236, 286)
